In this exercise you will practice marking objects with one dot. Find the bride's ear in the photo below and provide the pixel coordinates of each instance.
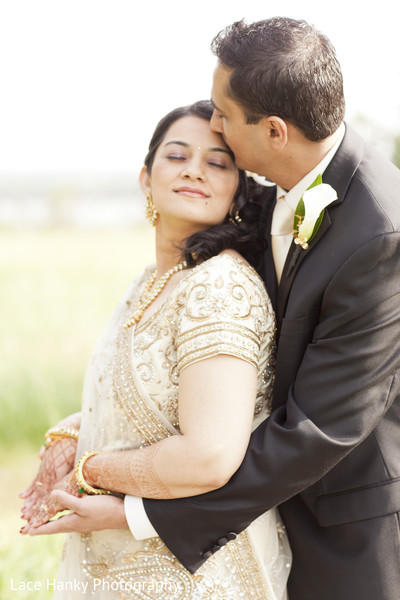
(145, 182)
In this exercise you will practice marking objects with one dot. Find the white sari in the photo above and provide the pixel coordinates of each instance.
(130, 400)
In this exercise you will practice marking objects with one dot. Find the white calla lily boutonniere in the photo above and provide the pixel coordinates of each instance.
(310, 211)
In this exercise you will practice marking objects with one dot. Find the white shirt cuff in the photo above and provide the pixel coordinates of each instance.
(138, 521)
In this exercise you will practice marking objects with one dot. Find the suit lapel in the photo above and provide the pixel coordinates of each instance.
(338, 174)
(295, 257)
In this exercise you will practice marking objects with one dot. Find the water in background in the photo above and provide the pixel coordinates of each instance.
(83, 202)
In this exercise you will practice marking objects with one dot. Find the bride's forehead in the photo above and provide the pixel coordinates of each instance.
(193, 131)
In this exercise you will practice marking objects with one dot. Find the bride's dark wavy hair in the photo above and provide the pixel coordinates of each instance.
(245, 236)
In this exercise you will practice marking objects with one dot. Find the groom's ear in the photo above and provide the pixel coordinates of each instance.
(277, 132)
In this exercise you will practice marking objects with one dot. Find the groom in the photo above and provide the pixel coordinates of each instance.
(329, 454)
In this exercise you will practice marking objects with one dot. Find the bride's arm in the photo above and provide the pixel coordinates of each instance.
(216, 408)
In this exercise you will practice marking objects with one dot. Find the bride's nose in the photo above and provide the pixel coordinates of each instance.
(193, 170)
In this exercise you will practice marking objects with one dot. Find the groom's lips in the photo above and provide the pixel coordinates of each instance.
(191, 192)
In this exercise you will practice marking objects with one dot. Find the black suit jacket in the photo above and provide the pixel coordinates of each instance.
(329, 454)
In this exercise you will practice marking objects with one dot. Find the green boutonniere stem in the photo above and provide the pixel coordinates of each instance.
(310, 211)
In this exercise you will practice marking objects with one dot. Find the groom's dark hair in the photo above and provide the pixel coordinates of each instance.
(286, 68)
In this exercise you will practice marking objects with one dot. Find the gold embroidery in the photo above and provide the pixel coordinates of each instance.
(155, 573)
(248, 568)
(129, 397)
(212, 339)
(240, 330)
(219, 282)
(220, 306)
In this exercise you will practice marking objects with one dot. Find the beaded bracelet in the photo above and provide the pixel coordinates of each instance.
(58, 433)
(82, 483)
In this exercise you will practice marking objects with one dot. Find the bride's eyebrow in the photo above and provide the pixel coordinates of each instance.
(179, 142)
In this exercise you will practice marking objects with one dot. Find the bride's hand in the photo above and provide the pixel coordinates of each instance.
(90, 513)
(49, 507)
(56, 462)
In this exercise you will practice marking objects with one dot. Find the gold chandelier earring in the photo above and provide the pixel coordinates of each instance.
(150, 212)
(235, 218)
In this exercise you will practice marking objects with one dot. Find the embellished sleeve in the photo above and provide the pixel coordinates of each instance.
(223, 310)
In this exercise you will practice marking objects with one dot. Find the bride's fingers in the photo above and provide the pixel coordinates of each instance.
(57, 501)
(33, 502)
(45, 512)
(35, 488)
(30, 506)
(29, 510)
(32, 498)
(76, 521)
(26, 493)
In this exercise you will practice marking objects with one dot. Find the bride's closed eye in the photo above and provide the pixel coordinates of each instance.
(176, 157)
(211, 162)
(217, 164)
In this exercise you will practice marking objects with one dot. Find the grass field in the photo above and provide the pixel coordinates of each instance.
(57, 289)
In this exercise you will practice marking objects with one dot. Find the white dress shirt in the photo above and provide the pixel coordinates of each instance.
(136, 516)
(283, 215)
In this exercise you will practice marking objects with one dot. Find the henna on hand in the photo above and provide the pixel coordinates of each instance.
(89, 513)
(57, 461)
(50, 505)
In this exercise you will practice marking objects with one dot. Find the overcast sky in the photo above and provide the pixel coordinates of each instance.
(83, 82)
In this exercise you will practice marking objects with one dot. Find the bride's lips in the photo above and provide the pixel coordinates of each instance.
(191, 192)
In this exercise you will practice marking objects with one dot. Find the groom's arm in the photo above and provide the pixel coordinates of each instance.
(346, 382)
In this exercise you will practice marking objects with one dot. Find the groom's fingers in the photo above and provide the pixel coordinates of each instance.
(65, 501)
(62, 525)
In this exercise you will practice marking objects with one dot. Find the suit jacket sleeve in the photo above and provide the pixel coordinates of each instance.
(345, 382)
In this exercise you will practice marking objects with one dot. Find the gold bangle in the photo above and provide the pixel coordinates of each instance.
(59, 433)
(82, 483)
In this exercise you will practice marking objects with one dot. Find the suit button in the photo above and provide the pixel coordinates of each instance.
(207, 554)
(215, 549)
(222, 541)
(231, 536)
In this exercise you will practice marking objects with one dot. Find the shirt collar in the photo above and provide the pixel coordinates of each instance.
(293, 196)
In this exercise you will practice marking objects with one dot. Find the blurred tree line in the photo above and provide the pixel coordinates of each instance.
(387, 142)
(396, 151)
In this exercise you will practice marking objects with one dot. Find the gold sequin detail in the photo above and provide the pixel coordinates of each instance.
(154, 573)
(219, 307)
(210, 340)
(248, 568)
(130, 398)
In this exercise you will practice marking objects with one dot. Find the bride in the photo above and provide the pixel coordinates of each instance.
(177, 382)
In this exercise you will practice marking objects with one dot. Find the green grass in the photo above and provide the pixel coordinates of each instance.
(23, 559)
(57, 289)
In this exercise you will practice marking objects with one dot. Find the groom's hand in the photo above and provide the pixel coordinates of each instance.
(89, 513)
